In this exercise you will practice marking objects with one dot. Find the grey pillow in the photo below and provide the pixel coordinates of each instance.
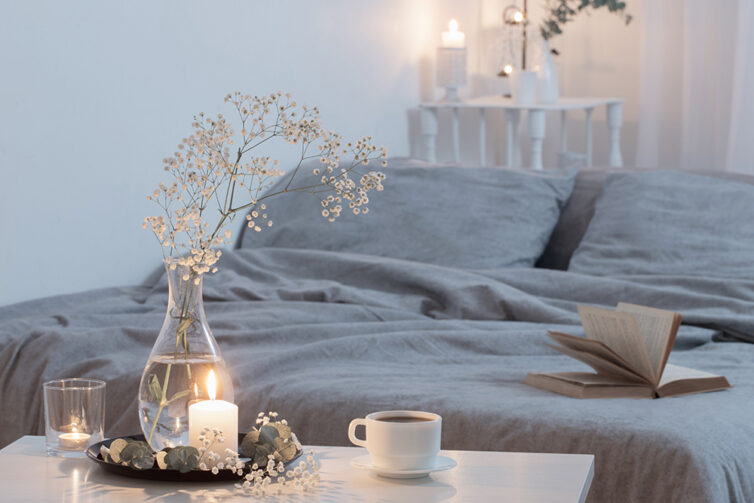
(671, 223)
(473, 218)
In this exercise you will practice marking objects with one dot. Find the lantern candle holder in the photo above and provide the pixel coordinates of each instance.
(451, 62)
(451, 71)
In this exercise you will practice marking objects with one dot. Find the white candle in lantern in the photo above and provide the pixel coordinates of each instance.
(214, 414)
(453, 38)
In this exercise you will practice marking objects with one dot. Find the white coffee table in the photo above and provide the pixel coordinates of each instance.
(28, 474)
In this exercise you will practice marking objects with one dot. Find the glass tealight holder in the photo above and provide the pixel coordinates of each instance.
(74, 415)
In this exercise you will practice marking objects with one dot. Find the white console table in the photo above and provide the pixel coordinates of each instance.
(536, 116)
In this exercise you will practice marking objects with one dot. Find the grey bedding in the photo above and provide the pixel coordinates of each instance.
(324, 336)
(481, 218)
(669, 222)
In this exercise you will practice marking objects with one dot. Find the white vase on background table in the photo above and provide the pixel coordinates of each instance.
(524, 87)
(547, 78)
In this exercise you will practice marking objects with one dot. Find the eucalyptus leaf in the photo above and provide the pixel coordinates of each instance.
(248, 444)
(183, 326)
(283, 429)
(155, 389)
(116, 446)
(261, 453)
(287, 450)
(144, 462)
(182, 458)
(179, 395)
(267, 435)
(162, 464)
(137, 455)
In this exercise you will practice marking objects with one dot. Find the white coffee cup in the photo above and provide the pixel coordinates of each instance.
(400, 439)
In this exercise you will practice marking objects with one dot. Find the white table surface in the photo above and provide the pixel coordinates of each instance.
(28, 474)
(499, 101)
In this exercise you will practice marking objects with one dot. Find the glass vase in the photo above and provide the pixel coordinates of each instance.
(176, 374)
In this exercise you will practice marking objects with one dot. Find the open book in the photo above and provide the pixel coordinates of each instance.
(629, 349)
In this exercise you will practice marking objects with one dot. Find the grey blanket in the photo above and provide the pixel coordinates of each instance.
(323, 337)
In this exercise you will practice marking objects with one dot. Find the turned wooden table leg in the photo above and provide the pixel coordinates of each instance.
(589, 138)
(614, 122)
(512, 118)
(456, 144)
(429, 133)
(482, 137)
(536, 137)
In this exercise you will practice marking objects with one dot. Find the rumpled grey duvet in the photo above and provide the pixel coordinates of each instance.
(323, 337)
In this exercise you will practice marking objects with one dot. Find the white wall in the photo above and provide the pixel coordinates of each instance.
(94, 94)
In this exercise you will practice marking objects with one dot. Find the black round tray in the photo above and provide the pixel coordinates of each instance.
(155, 473)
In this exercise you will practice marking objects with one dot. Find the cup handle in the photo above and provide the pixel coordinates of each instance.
(352, 432)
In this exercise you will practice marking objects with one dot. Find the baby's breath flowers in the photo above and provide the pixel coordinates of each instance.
(216, 175)
(276, 479)
(210, 460)
(268, 473)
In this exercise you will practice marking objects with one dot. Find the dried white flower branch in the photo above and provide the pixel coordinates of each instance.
(214, 167)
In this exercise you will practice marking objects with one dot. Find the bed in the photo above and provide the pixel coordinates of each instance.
(324, 324)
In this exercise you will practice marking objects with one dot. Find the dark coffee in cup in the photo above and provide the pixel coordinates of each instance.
(404, 419)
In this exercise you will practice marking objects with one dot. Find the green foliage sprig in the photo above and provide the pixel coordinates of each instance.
(272, 442)
(138, 455)
(272, 447)
(560, 12)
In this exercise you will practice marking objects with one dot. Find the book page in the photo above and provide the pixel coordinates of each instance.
(601, 366)
(678, 373)
(677, 380)
(621, 333)
(589, 379)
(592, 346)
(658, 328)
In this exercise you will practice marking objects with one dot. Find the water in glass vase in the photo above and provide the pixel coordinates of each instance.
(169, 385)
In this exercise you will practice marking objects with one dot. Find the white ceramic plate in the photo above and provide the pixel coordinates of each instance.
(365, 463)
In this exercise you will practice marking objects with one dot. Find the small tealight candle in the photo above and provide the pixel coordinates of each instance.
(214, 414)
(453, 37)
(74, 441)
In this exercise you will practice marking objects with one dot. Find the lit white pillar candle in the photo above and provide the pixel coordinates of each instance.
(453, 38)
(214, 414)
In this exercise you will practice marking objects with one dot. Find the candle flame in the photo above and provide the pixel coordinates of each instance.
(453, 26)
(211, 385)
(196, 391)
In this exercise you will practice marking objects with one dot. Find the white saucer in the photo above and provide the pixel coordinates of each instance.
(365, 463)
